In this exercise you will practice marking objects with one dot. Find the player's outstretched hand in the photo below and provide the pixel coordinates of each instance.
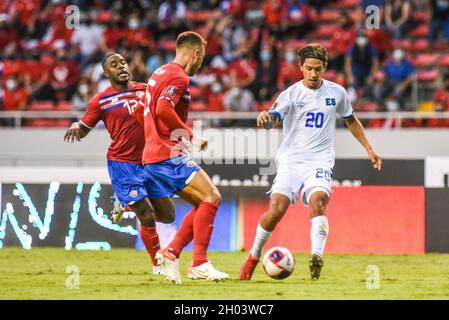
(199, 142)
(375, 159)
(73, 133)
(264, 120)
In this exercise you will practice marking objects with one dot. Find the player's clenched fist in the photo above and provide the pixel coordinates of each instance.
(199, 142)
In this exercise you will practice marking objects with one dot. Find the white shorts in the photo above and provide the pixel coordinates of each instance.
(290, 180)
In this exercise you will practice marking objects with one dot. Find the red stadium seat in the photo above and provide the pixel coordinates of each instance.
(425, 60)
(428, 75)
(168, 45)
(404, 44)
(420, 45)
(325, 31)
(420, 16)
(64, 106)
(41, 123)
(421, 31)
(42, 106)
(199, 16)
(197, 106)
(348, 4)
(444, 61)
(329, 16)
(367, 107)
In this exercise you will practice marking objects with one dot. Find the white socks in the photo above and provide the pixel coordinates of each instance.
(262, 237)
(318, 234)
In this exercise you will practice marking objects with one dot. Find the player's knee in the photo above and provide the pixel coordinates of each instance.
(214, 197)
(167, 217)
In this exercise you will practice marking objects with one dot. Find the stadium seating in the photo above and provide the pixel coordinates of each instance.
(42, 106)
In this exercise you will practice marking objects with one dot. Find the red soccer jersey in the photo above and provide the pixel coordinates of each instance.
(171, 83)
(114, 107)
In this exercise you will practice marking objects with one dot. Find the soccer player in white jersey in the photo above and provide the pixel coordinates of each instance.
(306, 156)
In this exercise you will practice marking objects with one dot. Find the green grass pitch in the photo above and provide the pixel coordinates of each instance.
(40, 273)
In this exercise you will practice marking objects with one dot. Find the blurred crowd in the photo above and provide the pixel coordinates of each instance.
(250, 53)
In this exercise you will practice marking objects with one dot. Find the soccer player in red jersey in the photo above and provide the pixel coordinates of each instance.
(114, 106)
(163, 111)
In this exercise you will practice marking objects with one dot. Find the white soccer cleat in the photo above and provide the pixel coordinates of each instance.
(117, 210)
(158, 270)
(170, 265)
(206, 271)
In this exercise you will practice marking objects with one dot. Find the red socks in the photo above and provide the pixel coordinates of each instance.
(203, 225)
(150, 239)
(184, 234)
(198, 225)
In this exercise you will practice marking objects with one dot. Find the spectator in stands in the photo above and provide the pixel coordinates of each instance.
(266, 56)
(36, 76)
(7, 33)
(439, 15)
(88, 37)
(441, 103)
(399, 73)
(82, 95)
(342, 40)
(172, 17)
(159, 58)
(441, 97)
(233, 34)
(397, 17)
(64, 77)
(297, 20)
(137, 67)
(274, 11)
(361, 64)
(289, 71)
(136, 34)
(213, 34)
(238, 99)
(15, 95)
(237, 8)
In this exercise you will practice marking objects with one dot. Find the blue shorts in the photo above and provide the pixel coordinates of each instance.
(167, 177)
(128, 181)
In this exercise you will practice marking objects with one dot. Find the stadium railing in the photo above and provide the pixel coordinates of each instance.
(204, 118)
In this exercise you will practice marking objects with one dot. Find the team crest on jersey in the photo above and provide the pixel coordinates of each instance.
(191, 163)
(133, 194)
(299, 104)
(171, 90)
(139, 94)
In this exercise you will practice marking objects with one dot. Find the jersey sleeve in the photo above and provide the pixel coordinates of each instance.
(281, 106)
(174, 90)
(93, 114)
(344, 108)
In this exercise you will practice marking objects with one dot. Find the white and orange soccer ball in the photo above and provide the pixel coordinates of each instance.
(278, 263)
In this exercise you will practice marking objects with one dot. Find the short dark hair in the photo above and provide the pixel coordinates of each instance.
(190, 38)
(314, 51)
(106, 57)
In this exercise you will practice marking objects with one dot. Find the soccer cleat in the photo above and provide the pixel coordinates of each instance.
(315, 265)
(169, 264)
(158, 270)
(117, 210)
(247, 270)
(206, 271)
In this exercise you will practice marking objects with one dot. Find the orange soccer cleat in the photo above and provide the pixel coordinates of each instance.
(250, 264)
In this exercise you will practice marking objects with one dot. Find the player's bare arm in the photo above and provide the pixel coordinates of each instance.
(358, 132)
(76, 132)
(266, 120)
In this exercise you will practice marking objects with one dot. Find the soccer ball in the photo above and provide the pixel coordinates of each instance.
(278, 263)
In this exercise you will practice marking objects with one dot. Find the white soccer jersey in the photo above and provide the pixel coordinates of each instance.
(309, 122)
